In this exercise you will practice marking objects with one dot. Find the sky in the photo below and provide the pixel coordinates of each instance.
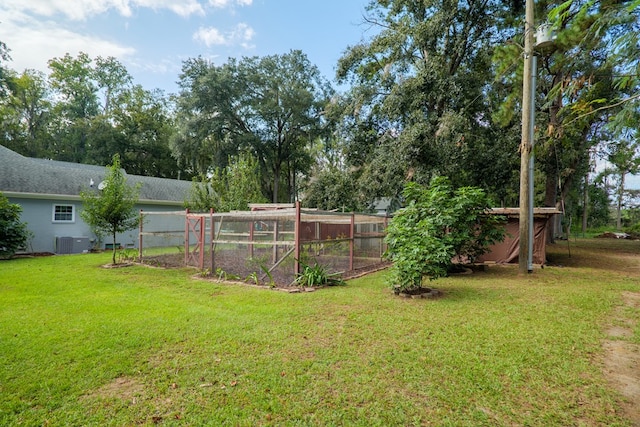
(152, 38)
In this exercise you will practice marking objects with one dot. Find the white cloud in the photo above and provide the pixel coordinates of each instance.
(242, 34)
(224, 3)
(34, 42)
(80, 10)
(210, 36)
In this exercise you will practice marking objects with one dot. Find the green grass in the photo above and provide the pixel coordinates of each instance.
(82, 345)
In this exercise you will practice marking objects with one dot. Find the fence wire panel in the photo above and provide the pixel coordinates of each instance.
(342, 243)
(254, 246)
(162, 238)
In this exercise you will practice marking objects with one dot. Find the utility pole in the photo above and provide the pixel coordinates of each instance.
(526, 144)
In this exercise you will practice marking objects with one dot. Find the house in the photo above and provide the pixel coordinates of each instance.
(49, 193)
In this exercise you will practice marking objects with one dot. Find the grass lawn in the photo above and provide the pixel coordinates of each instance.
(82, 345)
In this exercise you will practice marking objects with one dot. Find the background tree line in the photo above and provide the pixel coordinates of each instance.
(435, 91)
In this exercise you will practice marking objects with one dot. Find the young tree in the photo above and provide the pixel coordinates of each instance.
(13, 233)
(112, 210)
(437, 225)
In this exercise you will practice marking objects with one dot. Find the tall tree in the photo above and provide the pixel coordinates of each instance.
(624, 155)
(73, 81)
(25, 114)
(4, 70)
(144, 125)
(578, 87)
(271, 105)
(112, 77)
(421, 85)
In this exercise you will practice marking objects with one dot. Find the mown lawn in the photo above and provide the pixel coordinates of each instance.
(83, 345)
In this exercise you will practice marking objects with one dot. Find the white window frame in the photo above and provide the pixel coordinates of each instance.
(64, 221)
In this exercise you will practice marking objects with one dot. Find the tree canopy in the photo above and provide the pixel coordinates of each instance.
(271, 106)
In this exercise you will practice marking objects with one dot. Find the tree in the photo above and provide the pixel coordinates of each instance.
(13, 232)
(112, 77)
(582, 83)
(144, 125)
(272, 106)
(333, 189)
(112, 210)
(437, 225)
(230, 188)
(625, 158)
(25, 114)
(4, 72)
(418, 106)
(72, 79)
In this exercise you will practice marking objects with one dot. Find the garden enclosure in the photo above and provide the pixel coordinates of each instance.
(269, 244)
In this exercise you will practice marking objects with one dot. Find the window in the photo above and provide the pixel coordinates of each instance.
(63, 213)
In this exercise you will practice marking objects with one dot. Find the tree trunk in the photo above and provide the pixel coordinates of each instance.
(276, 182)
(585, 204)
(113, 256)
(619, 207)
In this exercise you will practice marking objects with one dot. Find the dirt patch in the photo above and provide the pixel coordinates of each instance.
(123, 388)
(622, 358)
(118, 265)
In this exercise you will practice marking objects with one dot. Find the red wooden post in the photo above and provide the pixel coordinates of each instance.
(296, 250)
(201, 221)
(211, 238)
(186, 237)
(251, 228)
(351, 240)
(140, 236)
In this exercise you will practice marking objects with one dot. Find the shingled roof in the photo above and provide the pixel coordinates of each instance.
(26, 175)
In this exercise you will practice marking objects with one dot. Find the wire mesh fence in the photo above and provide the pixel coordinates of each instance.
(268, 245)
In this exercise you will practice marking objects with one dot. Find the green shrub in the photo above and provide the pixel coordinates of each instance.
(437, 225)
(13, 233)
(317, 275)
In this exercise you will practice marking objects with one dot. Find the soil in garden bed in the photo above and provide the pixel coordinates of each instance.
(234, 265)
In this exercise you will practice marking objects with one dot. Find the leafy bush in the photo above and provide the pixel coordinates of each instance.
(13, 233)
(317, 275)
(437, 225)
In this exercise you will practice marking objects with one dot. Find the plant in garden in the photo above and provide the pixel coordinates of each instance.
(267, 272)
(437, 225)
(112, 210)
(13, 233)
(317, 275)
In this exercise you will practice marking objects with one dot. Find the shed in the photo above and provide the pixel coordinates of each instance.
(507, 251)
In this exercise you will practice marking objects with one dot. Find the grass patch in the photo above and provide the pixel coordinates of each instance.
(81, 345)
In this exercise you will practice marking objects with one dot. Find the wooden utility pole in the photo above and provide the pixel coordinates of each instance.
(526, 145)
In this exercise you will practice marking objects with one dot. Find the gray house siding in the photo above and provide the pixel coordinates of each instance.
(38, 214)
(40, 185)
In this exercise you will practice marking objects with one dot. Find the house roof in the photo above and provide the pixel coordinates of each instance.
(29, 176)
